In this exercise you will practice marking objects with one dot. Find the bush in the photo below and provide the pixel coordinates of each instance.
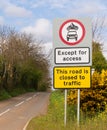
(42, 87)
(93, 100)
(17, 91)
(30, 77)
(4, 94)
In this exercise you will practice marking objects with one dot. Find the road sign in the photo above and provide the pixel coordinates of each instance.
(72, 77)
(72, 46)
(73, 35)
(72, 32)
(72, 55)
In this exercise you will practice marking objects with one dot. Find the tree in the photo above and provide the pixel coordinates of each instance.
(98, 60)
(22, 62)
(98, 29)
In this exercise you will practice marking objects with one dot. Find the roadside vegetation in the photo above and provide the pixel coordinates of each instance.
(54, 119)
(93, 100)
(23, 65)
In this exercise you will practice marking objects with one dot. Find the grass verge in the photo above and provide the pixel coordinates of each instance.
(54, 119)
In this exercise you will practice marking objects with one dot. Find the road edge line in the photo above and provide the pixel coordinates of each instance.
(24, 128)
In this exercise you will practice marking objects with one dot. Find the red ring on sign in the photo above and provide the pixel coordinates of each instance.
(72, 43)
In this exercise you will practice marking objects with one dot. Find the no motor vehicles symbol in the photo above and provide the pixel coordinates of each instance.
(72, 32)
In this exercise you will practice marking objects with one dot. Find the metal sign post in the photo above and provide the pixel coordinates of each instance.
(65, 113)
(78, 107)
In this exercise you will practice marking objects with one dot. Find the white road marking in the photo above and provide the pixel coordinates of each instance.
(4, 112)
(35, 95)
(19, 104)
(28, 98)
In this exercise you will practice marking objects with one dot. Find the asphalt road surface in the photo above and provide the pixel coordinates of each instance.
(17, 111)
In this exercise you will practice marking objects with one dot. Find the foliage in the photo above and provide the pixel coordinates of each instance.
(4, 94)
(30, 77)
(17, 91)
(22, 61)
(43, 87)
(98, 60)
(93, 100)
(54, 119)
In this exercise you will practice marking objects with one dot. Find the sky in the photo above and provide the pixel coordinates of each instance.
(36, 16)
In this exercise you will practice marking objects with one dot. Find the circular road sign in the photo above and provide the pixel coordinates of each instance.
(72, 32)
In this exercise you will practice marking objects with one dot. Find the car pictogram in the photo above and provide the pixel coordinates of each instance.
(72, 35)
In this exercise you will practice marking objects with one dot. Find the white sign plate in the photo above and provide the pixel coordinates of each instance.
(73, 55)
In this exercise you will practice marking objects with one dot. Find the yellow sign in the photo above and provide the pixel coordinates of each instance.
(72, 77)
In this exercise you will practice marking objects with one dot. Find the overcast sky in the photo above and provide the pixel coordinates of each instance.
(36, 16)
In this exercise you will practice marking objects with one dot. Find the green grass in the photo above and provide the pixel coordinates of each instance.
(4, 95)
(15, 92)
(54, 119)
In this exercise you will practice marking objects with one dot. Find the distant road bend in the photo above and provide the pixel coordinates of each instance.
(17, 111)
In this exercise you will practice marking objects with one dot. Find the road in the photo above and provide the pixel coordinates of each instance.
(17, 111)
